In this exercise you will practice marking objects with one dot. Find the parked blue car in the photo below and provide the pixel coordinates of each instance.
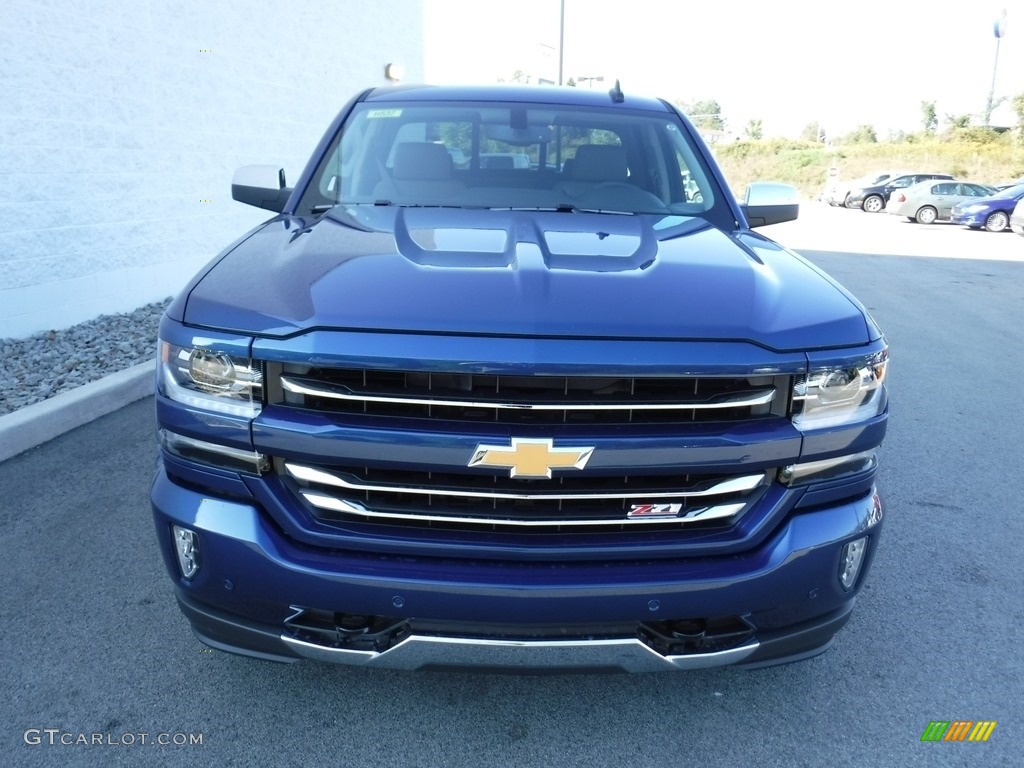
(992, 213)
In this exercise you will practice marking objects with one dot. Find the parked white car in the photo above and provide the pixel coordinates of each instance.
(839, 190)
(1017, 218)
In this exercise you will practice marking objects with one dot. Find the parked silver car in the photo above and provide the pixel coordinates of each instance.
(929, 201)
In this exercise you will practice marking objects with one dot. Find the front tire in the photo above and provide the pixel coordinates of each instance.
(873, 204)
(927, 215)
(996, 222)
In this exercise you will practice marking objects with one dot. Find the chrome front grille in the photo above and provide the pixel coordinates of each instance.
(533, 400)
(485, 502)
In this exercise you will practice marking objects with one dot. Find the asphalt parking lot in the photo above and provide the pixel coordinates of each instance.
(93, 643)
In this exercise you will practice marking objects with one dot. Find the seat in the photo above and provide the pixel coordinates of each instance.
(599, 178)
(422, 173)
(600, 162)
(594, 164)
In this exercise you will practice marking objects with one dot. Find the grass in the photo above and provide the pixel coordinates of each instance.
(974, 154)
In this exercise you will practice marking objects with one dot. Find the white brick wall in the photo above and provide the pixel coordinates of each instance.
(115, 125)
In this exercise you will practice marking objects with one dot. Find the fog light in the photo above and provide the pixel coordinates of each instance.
(186, 544)
(850, 562)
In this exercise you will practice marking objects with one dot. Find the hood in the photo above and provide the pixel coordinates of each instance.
(519, 273)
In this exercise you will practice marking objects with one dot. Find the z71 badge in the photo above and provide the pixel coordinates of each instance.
(654, 510)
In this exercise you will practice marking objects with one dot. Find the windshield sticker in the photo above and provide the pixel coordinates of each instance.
(383, 113)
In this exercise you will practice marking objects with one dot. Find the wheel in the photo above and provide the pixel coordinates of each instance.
(873, 204)
(927, 215)
(996, 222)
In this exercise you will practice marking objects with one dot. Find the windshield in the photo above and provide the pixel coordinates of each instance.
(495, 155)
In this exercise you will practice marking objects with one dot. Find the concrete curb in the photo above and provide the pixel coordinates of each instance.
(36, 424)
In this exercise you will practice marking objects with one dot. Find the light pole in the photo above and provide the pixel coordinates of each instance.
(998, 29)
(591, 80)
(561, 42)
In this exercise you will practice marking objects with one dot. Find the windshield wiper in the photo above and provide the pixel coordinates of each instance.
(560, 208)
(384, 203)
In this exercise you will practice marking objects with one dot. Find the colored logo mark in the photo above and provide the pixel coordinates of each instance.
(958, 730)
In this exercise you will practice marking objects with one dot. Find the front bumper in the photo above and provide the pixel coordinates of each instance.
(446, 612)
(969, 219)
(421, 651)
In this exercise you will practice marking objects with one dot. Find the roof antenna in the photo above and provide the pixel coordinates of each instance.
(616, 93)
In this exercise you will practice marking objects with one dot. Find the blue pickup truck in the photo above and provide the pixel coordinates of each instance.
(571, 412)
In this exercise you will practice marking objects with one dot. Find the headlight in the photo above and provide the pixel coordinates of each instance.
(974, 208)
(834, 396)
(208, 379)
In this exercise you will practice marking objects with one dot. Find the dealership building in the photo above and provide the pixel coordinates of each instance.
(123, 123)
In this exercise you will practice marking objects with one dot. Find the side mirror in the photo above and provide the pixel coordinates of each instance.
(262, 186)
(768, 202)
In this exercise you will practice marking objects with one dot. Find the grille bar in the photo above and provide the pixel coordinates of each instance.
(308, 387)
(730, 485)
(692, 514)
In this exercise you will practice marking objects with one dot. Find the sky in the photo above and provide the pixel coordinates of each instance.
(784, 62)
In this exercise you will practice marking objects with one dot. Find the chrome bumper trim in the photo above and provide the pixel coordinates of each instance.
(417, 651)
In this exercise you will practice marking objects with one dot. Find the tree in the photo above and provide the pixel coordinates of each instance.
(517, 77)
(993, 103)
(571, 83)
(865, 134)
(958, 121)
(813, 132)
(929, 118)
(754, 130)
(1018, 109)
(705, 114)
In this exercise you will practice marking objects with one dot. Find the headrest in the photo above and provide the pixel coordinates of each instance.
(422, 161)
(599, 162)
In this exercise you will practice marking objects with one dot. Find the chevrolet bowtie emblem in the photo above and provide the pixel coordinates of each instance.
(530, 458)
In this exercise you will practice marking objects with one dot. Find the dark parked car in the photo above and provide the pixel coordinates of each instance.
(874, 197)
(992, 213)
(1007, 184)
(572, 414)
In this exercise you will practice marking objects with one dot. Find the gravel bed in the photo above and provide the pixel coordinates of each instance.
(51, 362)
